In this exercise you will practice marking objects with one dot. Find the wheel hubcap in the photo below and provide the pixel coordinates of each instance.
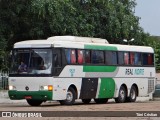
(133, 94)
(122, 94)
(69, 96)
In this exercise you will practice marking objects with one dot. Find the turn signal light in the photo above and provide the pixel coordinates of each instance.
(50, 87)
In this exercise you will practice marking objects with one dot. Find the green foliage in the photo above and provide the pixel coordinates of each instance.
(110, 19)
(35, 19)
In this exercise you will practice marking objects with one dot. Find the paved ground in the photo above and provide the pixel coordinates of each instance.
(79, 106)
(125, 108)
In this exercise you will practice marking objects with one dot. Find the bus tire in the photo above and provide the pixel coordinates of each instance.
(34, 102)
(101, 100)
(133, 95)
(70, 97)
(122, 95)
(86, 101)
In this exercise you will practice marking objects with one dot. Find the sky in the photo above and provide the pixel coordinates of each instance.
(149, 12)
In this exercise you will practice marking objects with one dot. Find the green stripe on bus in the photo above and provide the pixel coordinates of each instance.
(100, 47)
(88, 68)
(107, 88)
(36, 95)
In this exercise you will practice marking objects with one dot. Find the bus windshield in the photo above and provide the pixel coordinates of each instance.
(31, 61)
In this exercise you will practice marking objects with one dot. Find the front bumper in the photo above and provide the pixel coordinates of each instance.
(36, 95)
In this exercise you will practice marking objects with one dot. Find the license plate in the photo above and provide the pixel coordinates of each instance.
(28, 97)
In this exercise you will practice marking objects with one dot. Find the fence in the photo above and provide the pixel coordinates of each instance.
(4, 80)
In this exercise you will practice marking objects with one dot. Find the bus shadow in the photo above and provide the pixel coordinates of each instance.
(56, 104)
(75, 104)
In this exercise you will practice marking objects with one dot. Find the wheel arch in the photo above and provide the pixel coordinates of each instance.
(75, 88)
(135, 85)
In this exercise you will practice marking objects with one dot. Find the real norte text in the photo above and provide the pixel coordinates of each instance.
(134, 72)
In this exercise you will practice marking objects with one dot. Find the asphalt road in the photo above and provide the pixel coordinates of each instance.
(79, 106)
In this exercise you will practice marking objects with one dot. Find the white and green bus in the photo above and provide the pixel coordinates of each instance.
(66, 68)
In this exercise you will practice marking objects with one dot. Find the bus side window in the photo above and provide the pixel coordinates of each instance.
(132, 58)
(126, 58)
(150, 59)
(114, 58)
(110, 57)
(55, 60)
(73, 56)
(100, 57)
(145, 59)
(94, 57)
(80, 56)
(121, 58)
(68, 55)
(137, 60)
(87, 56)
(97, 57)
(57, 57)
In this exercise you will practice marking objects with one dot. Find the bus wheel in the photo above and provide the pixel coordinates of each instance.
(122, 95)
(133, 95)
(70, 97)
(101, 100)
(34, 102)
(86, 101)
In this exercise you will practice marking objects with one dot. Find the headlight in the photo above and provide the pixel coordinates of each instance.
(46, 87)
(11, 87)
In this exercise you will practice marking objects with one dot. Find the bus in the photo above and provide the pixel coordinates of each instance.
(66, 68)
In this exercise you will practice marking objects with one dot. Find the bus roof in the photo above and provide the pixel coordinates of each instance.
(78, 39)
(79, 42)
